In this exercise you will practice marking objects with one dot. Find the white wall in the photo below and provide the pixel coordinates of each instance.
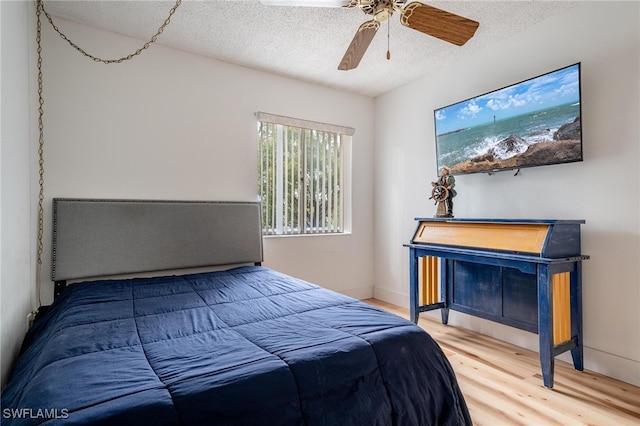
(604, 37)
(17, 256)
(173, 125)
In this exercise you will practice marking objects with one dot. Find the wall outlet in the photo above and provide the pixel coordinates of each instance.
(31, 318)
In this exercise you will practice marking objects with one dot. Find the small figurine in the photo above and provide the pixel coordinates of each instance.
(443, 193)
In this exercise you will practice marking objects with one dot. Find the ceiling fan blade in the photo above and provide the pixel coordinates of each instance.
(359, 45)
(438, 23)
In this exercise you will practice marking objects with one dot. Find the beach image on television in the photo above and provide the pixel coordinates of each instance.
(532, 123)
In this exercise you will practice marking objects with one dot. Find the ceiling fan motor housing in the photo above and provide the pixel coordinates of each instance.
(380, 9)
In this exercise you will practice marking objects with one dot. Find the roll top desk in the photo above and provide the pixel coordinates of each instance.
(522, 273)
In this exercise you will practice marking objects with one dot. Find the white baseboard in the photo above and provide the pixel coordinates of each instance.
(617, 367)
(390, 296)
(359, 293)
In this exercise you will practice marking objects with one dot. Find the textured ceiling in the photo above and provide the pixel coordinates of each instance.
(305, 43)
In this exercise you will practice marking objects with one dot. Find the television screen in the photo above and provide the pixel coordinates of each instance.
(532, 123)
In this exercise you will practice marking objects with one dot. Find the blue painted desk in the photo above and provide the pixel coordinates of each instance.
(523, 273)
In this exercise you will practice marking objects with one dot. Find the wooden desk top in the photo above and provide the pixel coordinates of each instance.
(540, 237)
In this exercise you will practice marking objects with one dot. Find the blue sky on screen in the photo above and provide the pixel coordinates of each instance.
(555, 88)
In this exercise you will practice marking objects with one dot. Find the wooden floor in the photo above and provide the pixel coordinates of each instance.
(502, 383)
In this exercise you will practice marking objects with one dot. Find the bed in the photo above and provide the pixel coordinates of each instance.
(243, 345)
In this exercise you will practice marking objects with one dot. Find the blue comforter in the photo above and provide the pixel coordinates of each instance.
(247, 346)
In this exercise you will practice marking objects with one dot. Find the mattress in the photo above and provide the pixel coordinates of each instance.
(245, 346)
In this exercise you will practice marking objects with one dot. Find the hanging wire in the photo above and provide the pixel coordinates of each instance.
(39, 10)
(40, 153)
(124, 58)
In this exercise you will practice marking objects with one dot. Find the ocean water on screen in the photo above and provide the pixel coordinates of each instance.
(533, 127)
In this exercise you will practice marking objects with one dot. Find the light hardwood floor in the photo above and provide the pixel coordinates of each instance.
(502, 383)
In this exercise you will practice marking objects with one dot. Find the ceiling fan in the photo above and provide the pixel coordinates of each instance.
(418, 16)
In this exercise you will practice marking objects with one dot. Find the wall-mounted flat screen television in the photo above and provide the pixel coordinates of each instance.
(532, 123)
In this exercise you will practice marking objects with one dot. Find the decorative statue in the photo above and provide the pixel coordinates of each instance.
(443, 193)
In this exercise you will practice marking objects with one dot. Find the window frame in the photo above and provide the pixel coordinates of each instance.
(345, 139)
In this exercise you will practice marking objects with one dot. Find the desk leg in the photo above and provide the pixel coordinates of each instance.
(545, 324)
(445, 272)
(444, 313)
(413, 286)
(576, 316)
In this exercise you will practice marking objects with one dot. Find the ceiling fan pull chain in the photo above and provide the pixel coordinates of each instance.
(388, 32)
(111, 61)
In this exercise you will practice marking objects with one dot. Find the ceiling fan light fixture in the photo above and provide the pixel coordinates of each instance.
(382, 10)
(382, 15)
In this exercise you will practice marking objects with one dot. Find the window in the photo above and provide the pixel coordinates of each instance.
(303, 176)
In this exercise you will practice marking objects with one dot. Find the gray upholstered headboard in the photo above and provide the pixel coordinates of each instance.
(93, 237)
